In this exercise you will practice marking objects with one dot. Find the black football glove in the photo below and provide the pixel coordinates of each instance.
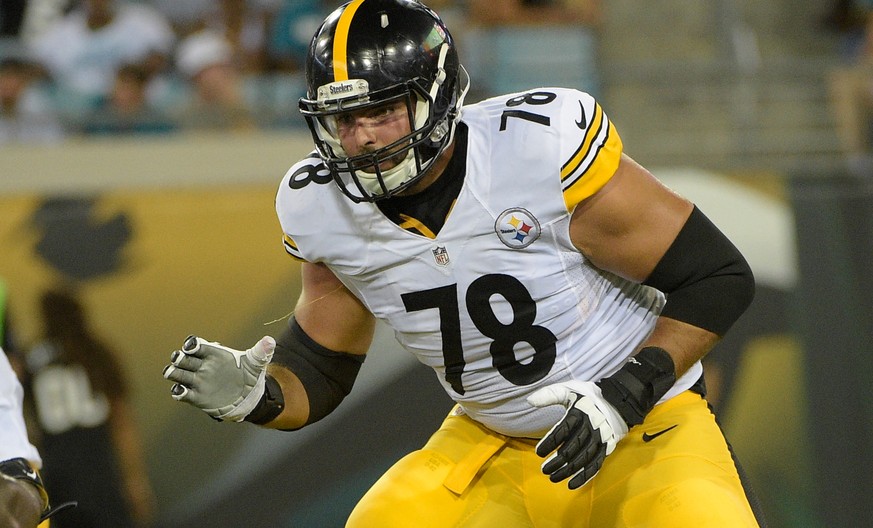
(599, 414)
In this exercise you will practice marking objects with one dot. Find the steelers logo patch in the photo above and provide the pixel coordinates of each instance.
(517, 228)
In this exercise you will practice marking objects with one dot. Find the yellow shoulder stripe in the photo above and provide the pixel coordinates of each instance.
(593, 163)
(291, 248)
(593, 132)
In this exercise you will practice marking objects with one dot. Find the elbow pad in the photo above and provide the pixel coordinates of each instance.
(326, 375)
(707, 281)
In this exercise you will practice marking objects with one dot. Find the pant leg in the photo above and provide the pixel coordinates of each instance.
(469, 477)
(457, 479)
(685, 477)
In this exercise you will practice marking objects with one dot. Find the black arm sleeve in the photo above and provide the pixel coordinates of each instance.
(707, 281)
(326, 375)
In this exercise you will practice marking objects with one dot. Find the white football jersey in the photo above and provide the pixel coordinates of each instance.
(499, 303)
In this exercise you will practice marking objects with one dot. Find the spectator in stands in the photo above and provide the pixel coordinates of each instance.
(245, 24)
(849, 20)
(517, 44)
(26, 111)
(851, 91)
(11, 17)
(127, 109)
(24, 19)
(535, 12)
(84, 49)
(217, 102)
(185, 16)
(290, 32)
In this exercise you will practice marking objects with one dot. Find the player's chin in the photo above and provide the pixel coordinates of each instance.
(388, 164)
(385, 164)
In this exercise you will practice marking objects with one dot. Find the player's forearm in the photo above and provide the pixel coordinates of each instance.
(671, 349)
(686, 344)
(295, 413)
(312, 380)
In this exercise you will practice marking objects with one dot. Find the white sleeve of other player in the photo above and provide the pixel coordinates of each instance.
(13, 434)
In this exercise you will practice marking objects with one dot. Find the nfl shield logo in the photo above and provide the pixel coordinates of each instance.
(441, 256)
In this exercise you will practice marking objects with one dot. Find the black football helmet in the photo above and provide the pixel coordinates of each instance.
(373, 52)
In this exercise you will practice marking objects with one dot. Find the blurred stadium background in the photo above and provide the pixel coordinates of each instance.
(726, 101)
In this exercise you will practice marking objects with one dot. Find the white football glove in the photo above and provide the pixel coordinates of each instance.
(588, 432)
(226, 384)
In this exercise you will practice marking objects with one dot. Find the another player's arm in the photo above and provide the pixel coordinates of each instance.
(24, 501)
(20, 503)
(336, 321)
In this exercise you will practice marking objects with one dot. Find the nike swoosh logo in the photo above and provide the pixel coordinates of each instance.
(649, 437)
(582, 123)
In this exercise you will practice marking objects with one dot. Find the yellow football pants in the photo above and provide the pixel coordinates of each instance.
(468, 476)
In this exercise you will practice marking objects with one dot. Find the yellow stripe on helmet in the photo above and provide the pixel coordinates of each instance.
(341, 40)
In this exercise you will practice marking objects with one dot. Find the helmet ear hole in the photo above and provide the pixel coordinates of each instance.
(354, 61)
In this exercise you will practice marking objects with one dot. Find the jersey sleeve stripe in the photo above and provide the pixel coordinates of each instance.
(602, 163)
(592, 133)
(291, 247)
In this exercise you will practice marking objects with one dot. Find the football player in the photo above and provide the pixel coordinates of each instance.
(24, 502)
(563, 296)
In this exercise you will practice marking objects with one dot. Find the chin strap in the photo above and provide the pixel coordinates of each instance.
(271, 404)
(50, 512)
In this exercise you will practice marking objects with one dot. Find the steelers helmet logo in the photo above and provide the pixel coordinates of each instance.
(517, 228)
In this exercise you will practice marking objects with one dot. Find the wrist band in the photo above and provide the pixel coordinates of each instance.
(270, 405)
(639, 384)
